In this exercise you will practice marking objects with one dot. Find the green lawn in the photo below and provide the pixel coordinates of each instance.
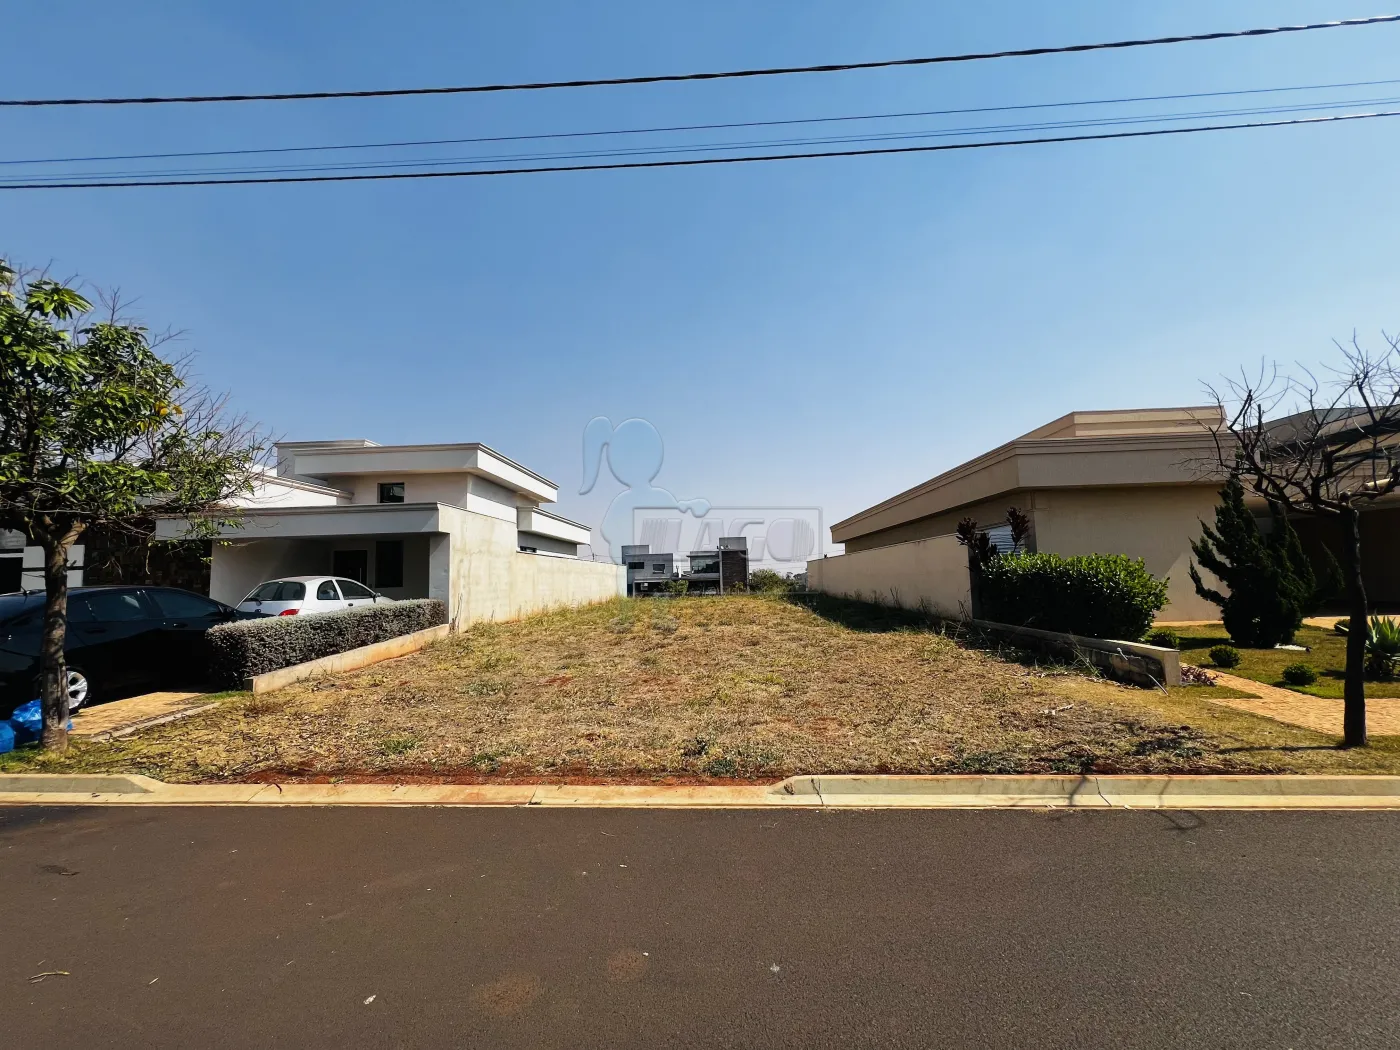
(1327, 656)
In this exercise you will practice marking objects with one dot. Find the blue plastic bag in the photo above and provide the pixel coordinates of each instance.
(7, 737)
(28, 722)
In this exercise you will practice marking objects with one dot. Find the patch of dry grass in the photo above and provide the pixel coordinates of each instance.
(705, 687)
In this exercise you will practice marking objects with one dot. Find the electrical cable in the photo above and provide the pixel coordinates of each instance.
(698, 127)
(702, 161)
(1003, 129)
(839, 67)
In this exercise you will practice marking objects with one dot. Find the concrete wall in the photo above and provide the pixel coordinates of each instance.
(418, 488)
(475, 563)
(1154, 523)
(929, 571)
(547, 544)
(238, 566)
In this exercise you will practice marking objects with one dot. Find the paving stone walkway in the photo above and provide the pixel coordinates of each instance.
(119, 717)
(1310, 712)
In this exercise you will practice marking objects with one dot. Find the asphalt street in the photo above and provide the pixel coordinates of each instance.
(504, 928)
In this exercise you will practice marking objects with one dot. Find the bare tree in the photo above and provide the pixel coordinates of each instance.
(1324, 447)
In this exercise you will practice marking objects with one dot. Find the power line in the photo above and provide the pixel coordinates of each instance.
(716, 147)
(725, 75)
(700, 161)
(700, 127)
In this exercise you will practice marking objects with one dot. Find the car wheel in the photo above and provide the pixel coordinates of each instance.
(79, 689)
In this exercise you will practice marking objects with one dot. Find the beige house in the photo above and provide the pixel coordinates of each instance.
(459, 522)
(1137, 482)
(1122, 482)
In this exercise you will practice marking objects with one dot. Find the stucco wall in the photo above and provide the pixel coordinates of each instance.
(929, 571)
(987, 513)
(1154, 523)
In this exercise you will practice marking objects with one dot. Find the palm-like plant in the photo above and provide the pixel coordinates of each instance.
(1382, 645)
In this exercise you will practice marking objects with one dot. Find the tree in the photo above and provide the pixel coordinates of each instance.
(1271, 583)
(1334, 449)
(98, 430)
(768, 581)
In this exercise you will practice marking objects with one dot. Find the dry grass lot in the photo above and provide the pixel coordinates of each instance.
(701, 688)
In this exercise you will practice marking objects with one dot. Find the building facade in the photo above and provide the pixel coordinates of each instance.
(459, 522)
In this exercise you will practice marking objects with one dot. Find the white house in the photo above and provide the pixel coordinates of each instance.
(459, 522)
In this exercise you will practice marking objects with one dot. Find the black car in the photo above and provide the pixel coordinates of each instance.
(121, 640)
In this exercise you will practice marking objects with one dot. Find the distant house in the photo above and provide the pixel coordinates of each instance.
(647, 572)
(459, 522)
(1136, 482)
(710, 571)
(724, 569)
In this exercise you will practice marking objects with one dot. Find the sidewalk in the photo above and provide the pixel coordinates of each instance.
(1299, 709)
(122, 717)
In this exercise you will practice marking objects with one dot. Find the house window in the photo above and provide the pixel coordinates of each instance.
(388, 563)
(636, 565)
(658, 566)
(391, 492)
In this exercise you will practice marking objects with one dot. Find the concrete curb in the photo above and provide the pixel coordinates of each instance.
(350, 660)
(847, 792)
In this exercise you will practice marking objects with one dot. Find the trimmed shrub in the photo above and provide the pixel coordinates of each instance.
(1299, 674)
(1094, 595)
(1225, 656)
(245, 648)
(1165, 637)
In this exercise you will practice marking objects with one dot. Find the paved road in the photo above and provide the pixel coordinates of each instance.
(529, 928)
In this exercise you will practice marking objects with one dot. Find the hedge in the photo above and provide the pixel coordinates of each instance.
(244, 648)
(1093, 595)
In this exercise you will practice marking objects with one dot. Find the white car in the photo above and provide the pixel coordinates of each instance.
(308, 594)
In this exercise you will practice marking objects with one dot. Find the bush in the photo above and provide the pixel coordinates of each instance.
(1225, 656)
(1165, 637)
(1299, 674)
(1095, 595)
(769, 582)
(245, 648)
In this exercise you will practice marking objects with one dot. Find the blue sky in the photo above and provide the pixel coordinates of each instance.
(815, 333)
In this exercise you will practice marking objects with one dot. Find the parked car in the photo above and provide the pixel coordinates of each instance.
(119, 640)
(307, 594)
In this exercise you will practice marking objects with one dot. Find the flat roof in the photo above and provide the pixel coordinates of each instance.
(1147, 446)
(363, 446)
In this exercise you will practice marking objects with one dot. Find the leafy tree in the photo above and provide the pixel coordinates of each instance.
(1271, 582)
(96, 429)
(769, 581)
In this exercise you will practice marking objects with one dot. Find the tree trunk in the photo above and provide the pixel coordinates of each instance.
(53, 670)
(1354, 692)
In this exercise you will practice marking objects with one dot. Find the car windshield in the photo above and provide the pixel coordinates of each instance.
(11, 605)
(278, 591)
